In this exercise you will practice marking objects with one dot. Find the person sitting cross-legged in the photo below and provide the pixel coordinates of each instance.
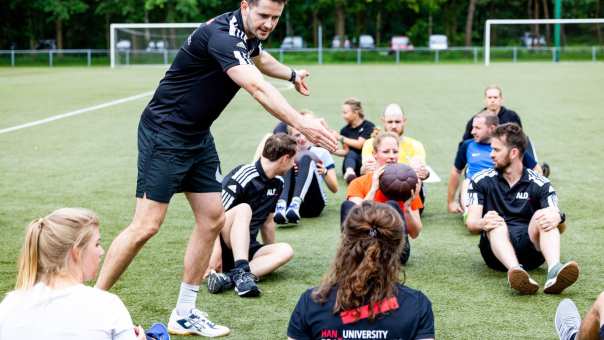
(303, 194)
(569, 325)
(366, 188)
(249, 195)
(516, 212)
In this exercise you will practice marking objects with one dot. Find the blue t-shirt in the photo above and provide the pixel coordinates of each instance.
(407, 316)
(477, 156)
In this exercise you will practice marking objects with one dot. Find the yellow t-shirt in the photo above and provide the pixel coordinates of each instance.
(408, 149)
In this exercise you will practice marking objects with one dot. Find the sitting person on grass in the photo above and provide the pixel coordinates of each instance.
(303, 194)
(569, 325)
(474, 155)
(249, 194)
(361, 295)
(366, 187)
(516, 212)
(352, 136)
(62, 251)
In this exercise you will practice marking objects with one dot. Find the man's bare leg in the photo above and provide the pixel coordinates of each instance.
(238, 235)
(270, 257)
(502, 247)
(593, 321)
(547, 242)
(148, 217)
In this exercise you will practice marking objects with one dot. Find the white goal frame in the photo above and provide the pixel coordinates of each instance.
(490, 22)
(114, 27)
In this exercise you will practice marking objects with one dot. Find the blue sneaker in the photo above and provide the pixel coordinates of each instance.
(219, 282)
(158, 331)
(196, 323)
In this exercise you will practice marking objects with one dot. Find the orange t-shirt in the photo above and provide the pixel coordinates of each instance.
(360, 186)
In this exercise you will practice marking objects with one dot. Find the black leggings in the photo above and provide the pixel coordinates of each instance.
(304, 184)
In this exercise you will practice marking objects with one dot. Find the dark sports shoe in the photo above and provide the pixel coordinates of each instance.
(546, 169)
(520, 281)
(293, 213)
(560, 277)
(567, 320)
(219, 282)
(245, 283)
(279, 216)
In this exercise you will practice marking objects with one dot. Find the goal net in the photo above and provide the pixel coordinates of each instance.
(147, 43)
(536, 39)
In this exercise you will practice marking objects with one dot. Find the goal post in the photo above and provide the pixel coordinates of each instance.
(142, 29)
(492, 22)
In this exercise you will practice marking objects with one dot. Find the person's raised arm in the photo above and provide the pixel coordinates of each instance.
(250, 78)
(268, 65)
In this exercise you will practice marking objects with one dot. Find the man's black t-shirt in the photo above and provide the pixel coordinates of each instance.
(504, 115)
(516, 204)
(406, 316)
(196, 88)
(364, 130)
(249, 184)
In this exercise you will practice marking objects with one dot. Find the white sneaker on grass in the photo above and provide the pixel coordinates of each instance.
(196, 323)
(567, 319)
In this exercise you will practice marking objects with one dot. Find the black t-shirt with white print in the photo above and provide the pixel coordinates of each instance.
(364, 130)
(196, 88)
(407, 316)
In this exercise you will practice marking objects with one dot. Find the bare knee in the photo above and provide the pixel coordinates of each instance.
(214, 222)
(286, 252)
(144, 229)
(242, 210)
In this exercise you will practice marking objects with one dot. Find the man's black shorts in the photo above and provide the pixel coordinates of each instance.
(228, 262)
(529, 257)
(168, 164)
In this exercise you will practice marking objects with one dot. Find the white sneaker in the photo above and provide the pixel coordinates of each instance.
(567, 319)
(196, 323)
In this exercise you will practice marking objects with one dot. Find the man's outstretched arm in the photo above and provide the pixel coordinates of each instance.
(250, 78)
(269, 66)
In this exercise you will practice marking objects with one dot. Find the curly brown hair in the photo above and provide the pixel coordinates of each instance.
(366, 268)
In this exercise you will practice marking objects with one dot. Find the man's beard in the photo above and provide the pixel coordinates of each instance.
(503, 165)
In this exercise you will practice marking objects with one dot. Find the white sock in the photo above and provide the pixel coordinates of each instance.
(187, 298)
(549, 268)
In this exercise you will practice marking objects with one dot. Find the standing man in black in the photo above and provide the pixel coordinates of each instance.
(493, 103)
(176, 148)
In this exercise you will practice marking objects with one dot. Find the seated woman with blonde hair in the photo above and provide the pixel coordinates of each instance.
(361, 295)
(61, 251)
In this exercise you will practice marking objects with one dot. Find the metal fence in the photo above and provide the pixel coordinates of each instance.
(97, 57)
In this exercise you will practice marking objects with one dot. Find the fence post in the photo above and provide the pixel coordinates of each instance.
(320, 35)
(165, 57)
(398, 56)
(475, 51)
(436, 56)
(89, 57)
(50, 58)
(281, 55)
(12, 58)
(553, 54)
(358, 55)
(593, 54)
(127, 57)
(515, 54)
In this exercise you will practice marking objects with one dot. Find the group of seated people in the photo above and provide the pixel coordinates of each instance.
(505, 198)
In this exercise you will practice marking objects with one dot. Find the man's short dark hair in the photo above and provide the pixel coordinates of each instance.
(489, 118)
(512, 136)
(279, 145)
(253, 2)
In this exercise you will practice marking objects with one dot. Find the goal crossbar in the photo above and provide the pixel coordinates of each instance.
(114, 27)
(490, 22)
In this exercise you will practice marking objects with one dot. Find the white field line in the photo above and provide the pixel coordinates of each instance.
(280, 86)
(434, 178)
(76, 112)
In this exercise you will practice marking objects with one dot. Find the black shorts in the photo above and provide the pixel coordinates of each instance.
(228, 262)
(168, 164)
(529, 257)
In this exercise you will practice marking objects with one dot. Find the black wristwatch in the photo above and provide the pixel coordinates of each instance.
(562, 217)
(293, 76)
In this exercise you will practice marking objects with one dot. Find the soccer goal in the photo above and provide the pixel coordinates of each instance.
(147, 43)
(531, 39)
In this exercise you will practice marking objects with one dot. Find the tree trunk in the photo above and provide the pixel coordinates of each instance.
(548, 31)
(289, 31)
(598, 28)
(59, 33)
(107, 30)
(340, 23)
(469, 21)
(315, 28)
(378, 27)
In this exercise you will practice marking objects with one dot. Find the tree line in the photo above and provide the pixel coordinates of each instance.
(85, 23)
